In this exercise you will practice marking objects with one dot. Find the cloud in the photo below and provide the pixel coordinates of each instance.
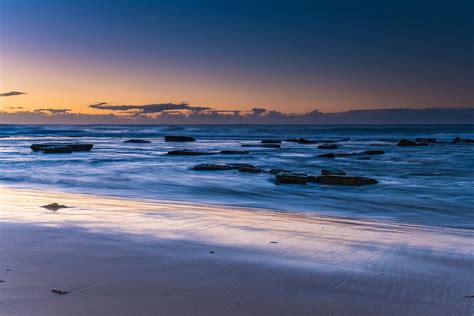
(258, 111)
(11, 93)
(170, 113)
(149, 108)
(52, 111)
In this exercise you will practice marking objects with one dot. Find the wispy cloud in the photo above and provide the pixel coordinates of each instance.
(52, 111)
(11, 93)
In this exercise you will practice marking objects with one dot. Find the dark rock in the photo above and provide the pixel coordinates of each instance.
(277, 171)
(344, 180)
(373, 152)
(458, 140)
(406, 142)
(56, 150)
(271, 141)
(59, 291)
(187, 152)
(422, 144)
(208, 166)
(54, 206)
(328, 155)
(332, 172)
(250, 169)
(235, 152)
(290, 178)
(171, 138)
(240, 165)
(137, 141)
(73, 146)
(425, 140)
(300, 141)
(328, 146)
(262, 145)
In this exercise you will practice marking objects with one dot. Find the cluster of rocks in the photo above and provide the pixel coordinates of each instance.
(61, 148)
(429, 141)
(328, 176)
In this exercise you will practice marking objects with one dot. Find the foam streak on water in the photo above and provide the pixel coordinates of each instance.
(428, 184)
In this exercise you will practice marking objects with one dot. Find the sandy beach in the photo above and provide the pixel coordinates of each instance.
(115, 256)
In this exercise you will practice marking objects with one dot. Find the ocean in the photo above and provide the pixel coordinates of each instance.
(429, 185)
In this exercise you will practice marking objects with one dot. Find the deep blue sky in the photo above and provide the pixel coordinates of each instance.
(332, 55)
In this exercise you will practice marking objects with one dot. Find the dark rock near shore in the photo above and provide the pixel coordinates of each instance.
(187, 152)
(250, 169)
(332, 172)
(209, 166)
(235, 152)
(54, 206)
(173, 138)
(57, 150)
(425, 140)
(59, 291)
(406, 142)
(343, 180)
(271, 141)
(73, 146)
(290, 178)
(373, 152)
(328, 146)
(137, 141)
(328, 155)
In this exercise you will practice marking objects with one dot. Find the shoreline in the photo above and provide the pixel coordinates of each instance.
(122, 256)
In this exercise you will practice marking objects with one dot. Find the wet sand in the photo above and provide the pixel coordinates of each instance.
(118, 256)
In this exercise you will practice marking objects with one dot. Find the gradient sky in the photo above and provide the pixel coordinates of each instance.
(290, 56)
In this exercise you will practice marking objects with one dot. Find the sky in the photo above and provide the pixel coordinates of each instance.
(130, 58)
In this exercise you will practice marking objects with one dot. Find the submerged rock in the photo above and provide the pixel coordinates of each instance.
(137, 141)
(458, 140)
(187, 152)
(406, 142)
(54, 206)
(290, 178)
(235, 152)
(425, 140)
(262, 145)
(343, 180)
(209, 166)
(174, 138)
(73, 146)
(57, 150)
(240, 165)
(250, 169)
(277, 171)
(373, 152)
(332, 172)
(300, 141)
(270, 141)
(328, 146)
(328, 155)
